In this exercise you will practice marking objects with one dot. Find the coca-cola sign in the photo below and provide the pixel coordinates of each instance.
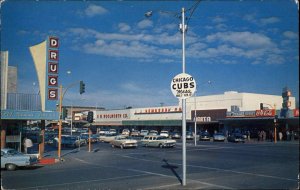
(265, 113)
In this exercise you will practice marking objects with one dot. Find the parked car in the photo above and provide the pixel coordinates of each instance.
(157, 141)
(135, 133)
(83, 130)
(113, 132)
(123, 142)
(103, 132)
(94, 137)
(144, 133)
(219, 137)
(153, 132)
(69, 141)
(204, 136)
(236, 137)
(126, 132)
(175, 135)
(11, 159)
(107, 138)
(164, 133)
(189, 135)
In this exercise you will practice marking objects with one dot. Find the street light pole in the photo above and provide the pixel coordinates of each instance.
(195, 117)
(60, 121)
(183, 28)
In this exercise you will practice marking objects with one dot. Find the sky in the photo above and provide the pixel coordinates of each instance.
(126, 59)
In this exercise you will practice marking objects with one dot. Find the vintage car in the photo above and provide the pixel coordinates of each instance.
(157, 141)
(153, 132)
(219, 137)
(164, 133)
(144, 133)
(175, 135)
(11, 159)
(69, 141)
(135, 133)
(123, 142)
(189, 135)
(126, 132)
(94, 137)
(204, 136)
(107, 138)
(236, 138)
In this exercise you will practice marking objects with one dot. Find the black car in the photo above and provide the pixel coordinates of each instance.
(204, 136)
(236, 137)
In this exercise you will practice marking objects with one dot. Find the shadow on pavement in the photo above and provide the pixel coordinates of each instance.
(172, 168)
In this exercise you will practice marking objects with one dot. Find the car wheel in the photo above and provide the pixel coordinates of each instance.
(161, 146)
(10, 167)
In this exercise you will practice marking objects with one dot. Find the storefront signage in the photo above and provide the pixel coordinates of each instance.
(112, 116)
(183, 86)
(203, 119)
(241, 114)
(29, 115)
(265, 113)
(53, 45)
(159, 110)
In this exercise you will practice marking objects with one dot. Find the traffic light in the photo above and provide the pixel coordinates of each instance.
(81, 87)
(64, 113)
(90, 117)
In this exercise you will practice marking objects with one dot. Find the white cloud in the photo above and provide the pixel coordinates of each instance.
(290, 35)
(166, 47)
(94, 10)
(123, 27)
(145, 24)
(242, 39)
(270, 20)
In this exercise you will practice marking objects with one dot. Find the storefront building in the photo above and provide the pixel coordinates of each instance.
(231, 111)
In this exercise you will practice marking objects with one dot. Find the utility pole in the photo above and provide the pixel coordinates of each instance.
(183, 28)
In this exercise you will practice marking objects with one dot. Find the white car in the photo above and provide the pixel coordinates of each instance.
(157, 141)
(11, 159)
(123, 142)
(107, 138)
(144, 132)
(126, 132)
(164, 133)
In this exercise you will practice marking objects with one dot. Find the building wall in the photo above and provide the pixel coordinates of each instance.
(245, 101)
(4, 73)
(12, 79)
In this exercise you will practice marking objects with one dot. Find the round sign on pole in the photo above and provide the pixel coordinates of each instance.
(183, 86)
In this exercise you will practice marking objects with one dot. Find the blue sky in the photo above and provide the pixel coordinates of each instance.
(126, 59)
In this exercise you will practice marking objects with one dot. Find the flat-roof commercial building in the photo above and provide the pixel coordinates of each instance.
(213, 112)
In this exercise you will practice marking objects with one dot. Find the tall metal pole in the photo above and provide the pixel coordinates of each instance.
(195, 132)
(71, 119)
(183, 106)
(60, 120)
(275, 132)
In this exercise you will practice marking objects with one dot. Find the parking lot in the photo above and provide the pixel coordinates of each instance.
(210, 165)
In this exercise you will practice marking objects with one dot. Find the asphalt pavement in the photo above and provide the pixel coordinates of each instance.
(210, 165)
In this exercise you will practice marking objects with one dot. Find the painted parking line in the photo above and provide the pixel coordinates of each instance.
(159, 174)
(87, 181)
(216, 169)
